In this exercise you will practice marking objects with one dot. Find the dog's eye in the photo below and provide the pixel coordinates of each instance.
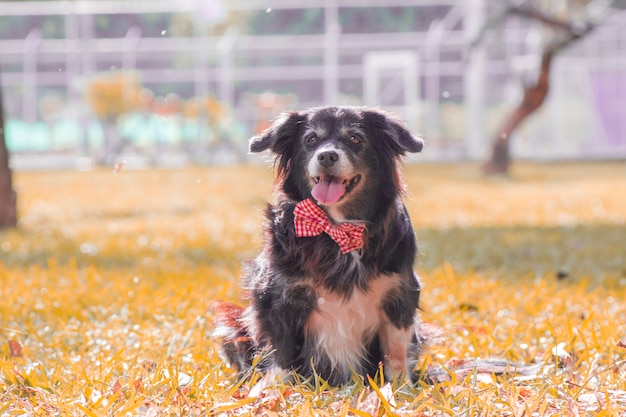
(355, 140)
(312, 138)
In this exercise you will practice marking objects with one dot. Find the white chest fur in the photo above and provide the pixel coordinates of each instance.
(340, 328)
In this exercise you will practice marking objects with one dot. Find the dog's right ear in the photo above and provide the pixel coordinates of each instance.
(280, 136)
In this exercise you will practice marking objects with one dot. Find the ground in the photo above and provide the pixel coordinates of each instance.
(107, 284)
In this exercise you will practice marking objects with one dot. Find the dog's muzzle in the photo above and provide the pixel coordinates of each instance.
(332, 174)
(327, 158)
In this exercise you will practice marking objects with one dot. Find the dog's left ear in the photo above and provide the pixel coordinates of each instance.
(397, 135)
(280, 135)
(404, 139)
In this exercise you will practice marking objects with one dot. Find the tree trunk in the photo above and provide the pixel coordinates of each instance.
(534, 96)
(8, 197)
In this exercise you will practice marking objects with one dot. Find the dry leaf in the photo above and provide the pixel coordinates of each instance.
(118, 167)
(149, 410)
(431, 334)
(138, 384)
(484, 378)
(116, 391)
(387, 393)
(525, 392)
(241, 393)
(117, 387)
(270, 399)
(455, 363)
(622, 342)
(336, 407)
(597, 400)
(15, 349)
(371, 404)
(564, 359)
(288, 392)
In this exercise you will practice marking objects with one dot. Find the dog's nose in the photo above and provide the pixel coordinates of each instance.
(327, 158)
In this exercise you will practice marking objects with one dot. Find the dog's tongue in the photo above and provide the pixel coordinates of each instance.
(328, 192)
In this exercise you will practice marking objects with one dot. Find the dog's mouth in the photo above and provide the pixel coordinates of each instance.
(329, 189)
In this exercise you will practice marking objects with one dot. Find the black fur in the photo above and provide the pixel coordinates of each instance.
(285, 280)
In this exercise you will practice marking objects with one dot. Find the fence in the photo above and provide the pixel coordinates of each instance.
(454, 95)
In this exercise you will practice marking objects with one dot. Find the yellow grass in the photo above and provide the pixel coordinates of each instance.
(106, 287)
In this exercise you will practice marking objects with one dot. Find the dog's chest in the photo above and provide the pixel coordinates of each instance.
(340, 327)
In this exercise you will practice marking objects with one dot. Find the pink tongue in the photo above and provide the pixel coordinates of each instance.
(327, 192)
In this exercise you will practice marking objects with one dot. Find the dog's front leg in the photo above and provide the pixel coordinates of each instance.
(281, 312)
(398, 330)
(396, 345)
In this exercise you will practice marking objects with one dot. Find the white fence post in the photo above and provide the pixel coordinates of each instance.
(432, 72)
(86, 54)
(29, 100)
(406, 67)
(474, 85)
(225, 49)
(331, 52)
(129, 58)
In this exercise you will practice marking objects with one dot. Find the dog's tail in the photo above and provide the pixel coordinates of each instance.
(236, 344)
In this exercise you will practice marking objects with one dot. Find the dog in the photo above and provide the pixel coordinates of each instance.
(333, 292)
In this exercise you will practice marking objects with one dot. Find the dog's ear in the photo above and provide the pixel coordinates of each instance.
(404, 139)
(279, 136)
(396, 133)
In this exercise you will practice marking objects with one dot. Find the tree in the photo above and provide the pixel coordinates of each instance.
(8, 197)
(565, 31)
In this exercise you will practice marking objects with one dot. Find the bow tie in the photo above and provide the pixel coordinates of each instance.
(311, 220)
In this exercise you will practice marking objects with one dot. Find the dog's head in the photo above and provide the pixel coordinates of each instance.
(340, 156)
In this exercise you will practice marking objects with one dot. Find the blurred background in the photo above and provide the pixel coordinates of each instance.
(170, 83)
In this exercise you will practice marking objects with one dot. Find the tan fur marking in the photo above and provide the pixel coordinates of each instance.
(394, 345)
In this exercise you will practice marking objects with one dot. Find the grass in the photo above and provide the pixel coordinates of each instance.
(107, 283)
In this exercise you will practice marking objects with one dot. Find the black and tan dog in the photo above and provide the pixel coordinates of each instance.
(333, 292)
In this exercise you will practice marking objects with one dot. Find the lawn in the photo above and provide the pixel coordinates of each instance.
(107, 284)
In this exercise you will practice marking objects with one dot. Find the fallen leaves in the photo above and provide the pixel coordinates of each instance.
(269, 401)
(564, 359)
(372, 401)
(595, 401)
(15, 349)
(82, 335)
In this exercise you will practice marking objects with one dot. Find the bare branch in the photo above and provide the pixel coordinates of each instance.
(492, 22)
(574, 30)
(526, 10)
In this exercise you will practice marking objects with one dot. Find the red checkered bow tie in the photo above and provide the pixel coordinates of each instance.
(311, 220)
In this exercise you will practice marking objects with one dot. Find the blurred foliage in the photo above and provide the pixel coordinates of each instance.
(351, 19)
(390, 19)
(269, 21)
(18, 27)
(199, 106)
(105, 26)
(134, 118)
(114, 93)
(107, 285)
(287, 22)
(261, 22)
(115, 26)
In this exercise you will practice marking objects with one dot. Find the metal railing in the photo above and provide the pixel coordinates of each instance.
(459, 98)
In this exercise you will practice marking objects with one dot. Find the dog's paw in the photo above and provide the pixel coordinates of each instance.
(273, 376)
